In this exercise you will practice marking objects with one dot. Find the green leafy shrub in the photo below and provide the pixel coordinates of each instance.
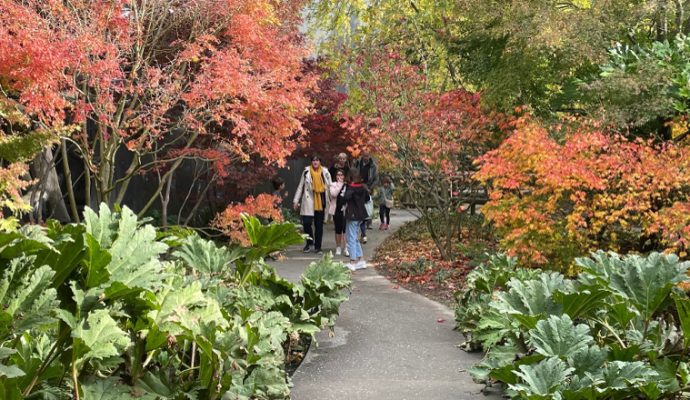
(618, 330)
(481, 325)
(107, 309)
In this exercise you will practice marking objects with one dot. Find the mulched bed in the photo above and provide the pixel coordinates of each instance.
(410, 259)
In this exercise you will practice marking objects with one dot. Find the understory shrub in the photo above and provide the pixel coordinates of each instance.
(113, 309)
(619, 330)
(555, 199)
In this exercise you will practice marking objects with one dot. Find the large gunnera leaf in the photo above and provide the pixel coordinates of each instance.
(204, 257)
(134, 250)
(112, 389)
(26, 298)
(98, 337)
(557, 336)
(621, 375)
(644, 281)
(530, 300)
(542, 380)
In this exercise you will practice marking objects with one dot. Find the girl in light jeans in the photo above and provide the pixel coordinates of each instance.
(356, 194)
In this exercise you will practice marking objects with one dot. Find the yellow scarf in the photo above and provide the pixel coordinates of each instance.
(319, 187)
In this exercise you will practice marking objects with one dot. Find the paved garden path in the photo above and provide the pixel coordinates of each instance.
(388, 343)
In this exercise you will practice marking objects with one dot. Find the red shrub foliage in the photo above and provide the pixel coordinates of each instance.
(230, 221)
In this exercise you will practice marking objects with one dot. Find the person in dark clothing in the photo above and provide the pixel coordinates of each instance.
(341, 164)
(369, 171)
(384, 198)
(356, 194)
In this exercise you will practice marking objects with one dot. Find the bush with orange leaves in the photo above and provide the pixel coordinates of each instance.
(263, 206)
(551, 200)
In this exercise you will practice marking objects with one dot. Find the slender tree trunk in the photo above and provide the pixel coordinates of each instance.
(46, 192)
(165, 200)
(68, 181)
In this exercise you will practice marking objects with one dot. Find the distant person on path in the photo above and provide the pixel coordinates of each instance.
(369, 172)
(336, 210)
(356, 195)
(384, 198)
(312, 199)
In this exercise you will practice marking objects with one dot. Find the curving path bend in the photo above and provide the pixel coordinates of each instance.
(388, 343)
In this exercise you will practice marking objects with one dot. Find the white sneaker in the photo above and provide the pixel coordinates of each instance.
(346, 253)
(364, 239)
(338, 251)
(351, 266)
(361, 265)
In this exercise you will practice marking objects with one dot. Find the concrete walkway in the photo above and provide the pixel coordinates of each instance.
(389, 343)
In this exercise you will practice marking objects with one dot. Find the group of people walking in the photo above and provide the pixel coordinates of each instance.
(347, 194)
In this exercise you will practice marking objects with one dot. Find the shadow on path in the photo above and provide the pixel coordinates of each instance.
(388, 343)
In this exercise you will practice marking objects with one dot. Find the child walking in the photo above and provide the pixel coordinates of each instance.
(356, 194)
(385, 201)
(336, 211)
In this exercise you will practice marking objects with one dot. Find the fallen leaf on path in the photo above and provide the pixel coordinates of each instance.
(395, 286)
(440, 320)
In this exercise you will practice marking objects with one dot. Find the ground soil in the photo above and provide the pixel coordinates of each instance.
(410, 259)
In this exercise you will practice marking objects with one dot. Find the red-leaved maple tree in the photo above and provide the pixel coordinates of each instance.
(326, 134)
(161, 81)
(428, 140)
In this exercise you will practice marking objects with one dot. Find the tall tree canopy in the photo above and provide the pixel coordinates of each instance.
(162, 80)
(536, 53)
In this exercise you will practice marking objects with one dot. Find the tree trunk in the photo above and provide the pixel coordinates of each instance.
(45, 194)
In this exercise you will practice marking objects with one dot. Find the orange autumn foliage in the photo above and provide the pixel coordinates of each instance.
(554, 200)
(229, 221)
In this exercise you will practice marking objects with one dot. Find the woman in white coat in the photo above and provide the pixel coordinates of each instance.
(313, 201)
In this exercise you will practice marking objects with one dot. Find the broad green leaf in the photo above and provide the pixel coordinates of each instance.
(621, 375)
(101, 226)
(588, 360)
(205, 257)
(69, 251)
(267, 239)
(26, 297)
(99, 337)
(113, 389)
(542, 379)
(557, 336)
(532, 299)
(185, 308)
(644, 281)
(326, 273)
(10, 371)
(133, 248)
(582, 302)
(95, 262)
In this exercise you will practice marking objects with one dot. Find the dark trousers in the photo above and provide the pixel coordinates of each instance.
(316, 235)
(385, 214)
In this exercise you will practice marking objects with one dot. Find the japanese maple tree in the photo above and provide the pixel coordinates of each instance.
(427, 139)
(159, 80)
(325, 133)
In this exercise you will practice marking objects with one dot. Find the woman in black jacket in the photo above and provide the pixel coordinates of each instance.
(356, 194)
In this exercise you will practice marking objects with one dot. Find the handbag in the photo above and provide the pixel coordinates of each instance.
(369, 205)
(389, 203)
